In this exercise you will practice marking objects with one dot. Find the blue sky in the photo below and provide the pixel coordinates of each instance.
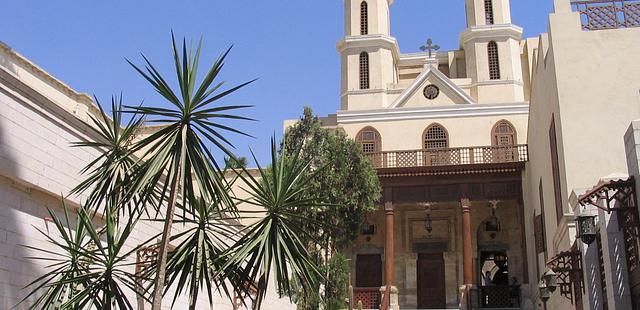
(288, 45)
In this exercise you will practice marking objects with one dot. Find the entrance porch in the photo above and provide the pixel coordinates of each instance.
(445, 238)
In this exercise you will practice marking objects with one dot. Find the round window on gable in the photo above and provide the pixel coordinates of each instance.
(431, 92)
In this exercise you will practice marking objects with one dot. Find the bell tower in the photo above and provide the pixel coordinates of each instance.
(368, 55)
(492, 52)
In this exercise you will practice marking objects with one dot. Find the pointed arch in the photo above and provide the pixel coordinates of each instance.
(488, 12)
(364, 70)
(503, 133)
(364, 18)
(494, 60)
(369, 140)
(435, 137)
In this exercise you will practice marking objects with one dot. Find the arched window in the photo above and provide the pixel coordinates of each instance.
(364, 70)
(488, 12)
(369, 140)
(364, 18)
(503, 134)
(436, 137)
(494, 61)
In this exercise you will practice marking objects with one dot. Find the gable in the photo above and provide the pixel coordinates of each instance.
(449, 92)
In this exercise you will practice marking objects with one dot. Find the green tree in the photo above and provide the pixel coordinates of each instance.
(348, 182)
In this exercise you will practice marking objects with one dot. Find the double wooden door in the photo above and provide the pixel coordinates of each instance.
(431, 286)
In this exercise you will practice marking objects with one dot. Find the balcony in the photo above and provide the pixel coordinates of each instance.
(608, 14)
(479, 155)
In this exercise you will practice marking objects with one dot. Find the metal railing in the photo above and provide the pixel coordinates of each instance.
(450, 156)
(369, 296)
(608, 14)
(499, 296)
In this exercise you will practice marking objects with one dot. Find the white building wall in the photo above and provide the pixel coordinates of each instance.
(39, 119)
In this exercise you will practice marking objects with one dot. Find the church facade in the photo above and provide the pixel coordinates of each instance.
(490, 154)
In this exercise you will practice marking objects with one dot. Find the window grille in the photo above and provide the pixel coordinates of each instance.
(504, 134)
(488, 12)
(435, 138)
(494, 61)
(369, 140)
(364, 70)
(601, 269)
(364, 18)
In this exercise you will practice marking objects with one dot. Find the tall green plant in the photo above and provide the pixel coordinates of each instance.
(180, 149)
(275, 243)
(110, 172)
(89, 266)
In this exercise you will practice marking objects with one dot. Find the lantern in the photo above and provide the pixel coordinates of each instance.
(500, 259)
(550, 279)
(586, 225)
(428, 224)
(493, 224)
(545, 294)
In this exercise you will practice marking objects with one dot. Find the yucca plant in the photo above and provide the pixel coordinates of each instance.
(199, 260)
(274, 244)
(88, 267)
(180, 150)
(110, 172)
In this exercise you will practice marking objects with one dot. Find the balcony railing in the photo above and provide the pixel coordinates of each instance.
(450, 156)
(608, 14)
(499, 296)
(369, 296)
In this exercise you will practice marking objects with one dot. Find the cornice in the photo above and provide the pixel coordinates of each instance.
(371, 40)
(39, 72)
(454, 111)
(491, 32)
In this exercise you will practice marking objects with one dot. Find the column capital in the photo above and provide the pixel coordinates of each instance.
(388, 207)
(465, 203)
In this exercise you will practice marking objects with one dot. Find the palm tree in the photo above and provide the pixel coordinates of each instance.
(85, 271)
(275, 243)
(180, 149)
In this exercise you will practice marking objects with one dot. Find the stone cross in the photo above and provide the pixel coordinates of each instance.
(430, 47)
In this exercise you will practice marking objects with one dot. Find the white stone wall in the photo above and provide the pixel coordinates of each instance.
(39, 119)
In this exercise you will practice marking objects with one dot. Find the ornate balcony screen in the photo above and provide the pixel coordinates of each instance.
(450, 156)
(608, 14)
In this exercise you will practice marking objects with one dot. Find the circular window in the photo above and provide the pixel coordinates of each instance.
(431, 92)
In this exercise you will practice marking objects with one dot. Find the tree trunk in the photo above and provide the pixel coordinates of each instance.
(161, 265)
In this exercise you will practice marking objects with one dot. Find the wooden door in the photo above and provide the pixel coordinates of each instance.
(431, 290)
(369, 270)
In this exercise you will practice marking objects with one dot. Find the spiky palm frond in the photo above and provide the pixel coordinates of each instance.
(88, 268)
(179, 150)
(274, 243)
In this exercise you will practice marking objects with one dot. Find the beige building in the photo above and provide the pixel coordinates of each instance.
(487, 154)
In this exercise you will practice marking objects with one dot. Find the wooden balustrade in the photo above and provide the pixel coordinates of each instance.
(450, 156)
(608, 14)
(370, 297)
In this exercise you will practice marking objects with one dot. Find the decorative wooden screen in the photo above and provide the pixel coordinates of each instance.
(608, 14)
(369, 140)
(435, 137)
(364, 70)
(555, 169)
(601, 269)
(364, 18)
(538, 227)
(568, 268)
(488, 12)
(494, 60)
(543, 242)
